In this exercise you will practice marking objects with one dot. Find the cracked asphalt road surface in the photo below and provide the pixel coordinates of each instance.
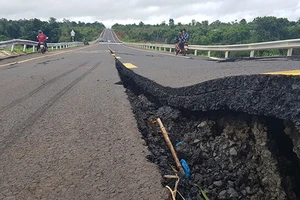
(67, 131)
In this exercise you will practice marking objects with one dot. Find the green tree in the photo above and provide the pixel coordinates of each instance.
(271, 28)
(12, 30)
(194, 22)
(141, 23)
(243, 21)
(171, 22)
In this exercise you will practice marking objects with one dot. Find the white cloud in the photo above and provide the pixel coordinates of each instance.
(149, 11)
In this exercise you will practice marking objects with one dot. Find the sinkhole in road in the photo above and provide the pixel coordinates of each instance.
(231, 154)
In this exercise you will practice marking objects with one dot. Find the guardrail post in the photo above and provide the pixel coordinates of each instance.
(12, 48)
(52, 47)
(24, 48)
(60, 46)
(208, 54)
(33, 48)
(290, 52)
(226, 54)
(56, 47)
(196, 52)
(170, 50)
(252, 54)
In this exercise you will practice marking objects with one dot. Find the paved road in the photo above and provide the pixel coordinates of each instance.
(108, 35)
(177, 71)
(67, 131)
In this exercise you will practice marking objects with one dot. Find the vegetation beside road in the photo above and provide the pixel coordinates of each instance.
(261, 29)
(17, 49)
(55, 30)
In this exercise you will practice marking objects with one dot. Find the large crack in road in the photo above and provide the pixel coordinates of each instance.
(239, 135)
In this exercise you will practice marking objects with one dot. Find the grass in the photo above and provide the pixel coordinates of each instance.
(17, 49)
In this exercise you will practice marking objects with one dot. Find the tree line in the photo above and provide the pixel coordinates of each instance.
(261, 29)
(55, 30)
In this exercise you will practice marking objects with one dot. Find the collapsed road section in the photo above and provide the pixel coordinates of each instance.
(239, 136)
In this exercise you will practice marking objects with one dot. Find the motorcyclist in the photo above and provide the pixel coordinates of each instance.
(42, 39)
(184, 37)
(178, 40)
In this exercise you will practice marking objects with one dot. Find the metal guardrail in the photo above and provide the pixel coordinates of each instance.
(281, 44)
(25, 43)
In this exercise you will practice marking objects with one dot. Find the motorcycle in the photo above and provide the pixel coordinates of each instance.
(43, 48)
(183, 51)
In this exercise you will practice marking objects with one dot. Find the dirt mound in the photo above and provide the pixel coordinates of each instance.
(239, 135)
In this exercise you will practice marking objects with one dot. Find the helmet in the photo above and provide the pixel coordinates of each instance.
(40, 31)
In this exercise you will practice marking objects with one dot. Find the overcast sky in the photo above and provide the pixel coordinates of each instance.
(110, 12)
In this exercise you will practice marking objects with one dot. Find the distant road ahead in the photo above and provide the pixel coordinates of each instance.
(108, 35)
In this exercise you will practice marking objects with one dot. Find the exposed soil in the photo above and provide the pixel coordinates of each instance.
(237, 146)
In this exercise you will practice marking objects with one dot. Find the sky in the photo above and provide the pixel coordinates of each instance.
(110, 12)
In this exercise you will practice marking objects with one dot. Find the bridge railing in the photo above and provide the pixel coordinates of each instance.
(281, 44)
(25, 43)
